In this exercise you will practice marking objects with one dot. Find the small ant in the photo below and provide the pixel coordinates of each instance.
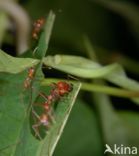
(38, 24)
(30, 76)
(59, 89)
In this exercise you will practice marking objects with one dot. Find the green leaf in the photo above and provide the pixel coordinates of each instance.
(113, 129)
(86, 68)
(120, 128)
(15, 132)
(21, 138)
(16, 136)
(130, 120)
(15, 65)
(82, 134)
(78, 66)
(61, 115)
(13, 107)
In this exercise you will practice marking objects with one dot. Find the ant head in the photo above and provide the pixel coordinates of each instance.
(63, 87)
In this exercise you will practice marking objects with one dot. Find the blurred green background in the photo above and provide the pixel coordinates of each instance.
(113, 29)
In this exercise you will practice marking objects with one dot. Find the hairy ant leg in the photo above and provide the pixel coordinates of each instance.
(36, 125)
(48, 105)
(42, 120)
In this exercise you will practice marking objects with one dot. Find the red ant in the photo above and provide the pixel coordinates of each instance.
(30, 76)
(60, 89)
(27, 84)
(38, 24)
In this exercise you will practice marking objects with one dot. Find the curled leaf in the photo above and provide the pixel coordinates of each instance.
(15, 65)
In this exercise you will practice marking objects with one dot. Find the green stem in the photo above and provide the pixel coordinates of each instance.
(98, 88)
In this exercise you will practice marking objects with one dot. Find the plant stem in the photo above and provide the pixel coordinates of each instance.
(98, 88)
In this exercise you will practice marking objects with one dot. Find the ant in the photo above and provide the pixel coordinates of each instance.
(38, 24)
(27, 85)
(30, 76)
(59, 89)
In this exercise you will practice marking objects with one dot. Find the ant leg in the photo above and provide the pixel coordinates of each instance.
(53, 85)
(35, 128)
(35, 114)
(72, 77)
(43, 95)
(51, 116)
